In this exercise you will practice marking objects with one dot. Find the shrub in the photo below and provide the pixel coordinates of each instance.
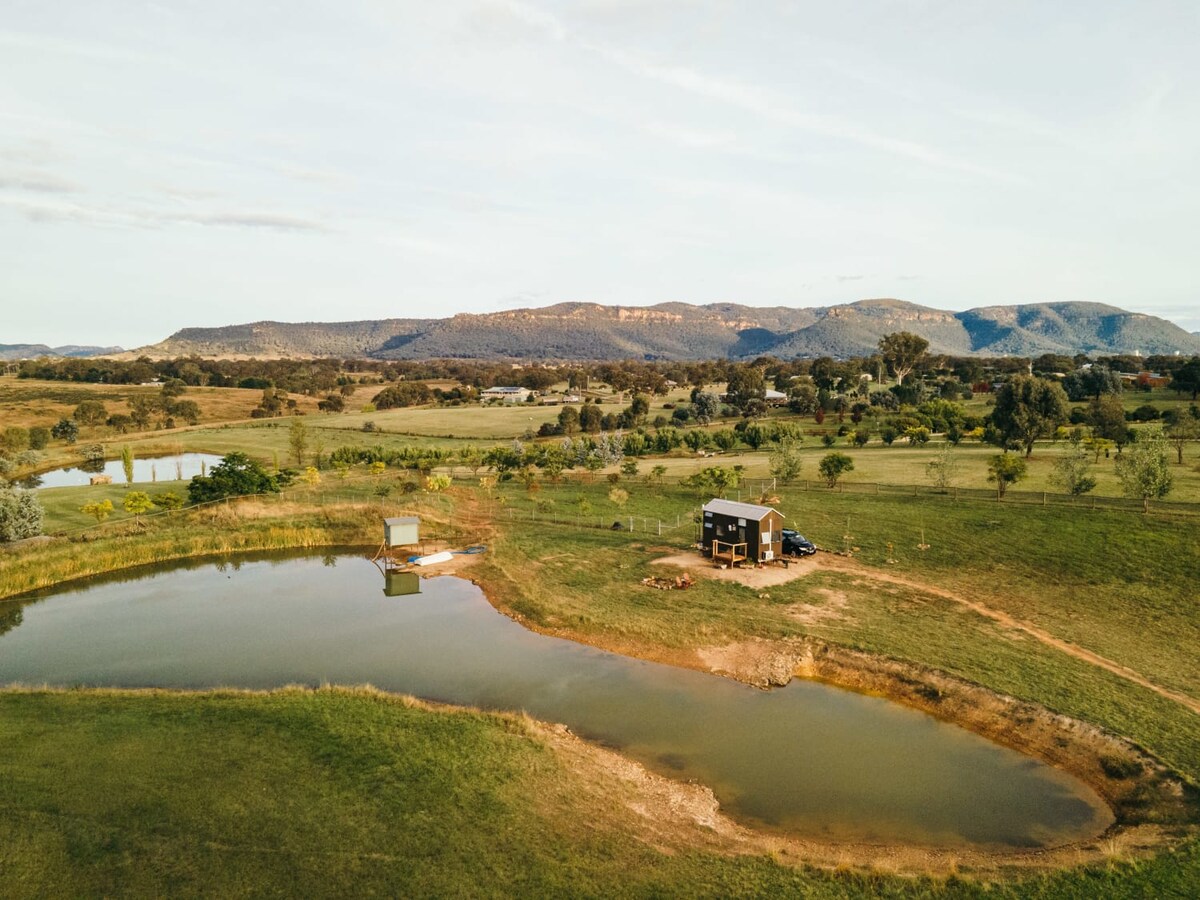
(833, 466)
(235, 475)
(1120, 767)
(39, 437)
(100, 510)
(20, 515)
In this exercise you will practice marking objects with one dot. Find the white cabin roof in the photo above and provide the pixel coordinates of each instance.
(740, 510)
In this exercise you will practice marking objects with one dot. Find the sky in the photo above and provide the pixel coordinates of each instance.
(171, 164)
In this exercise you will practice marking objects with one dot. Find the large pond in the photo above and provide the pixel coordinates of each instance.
(159, 468)
(808, 758)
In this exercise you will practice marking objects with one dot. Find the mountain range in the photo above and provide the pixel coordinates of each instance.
(678, 331)
(35, 351)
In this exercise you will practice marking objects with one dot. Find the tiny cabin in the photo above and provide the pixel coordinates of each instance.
(733, 532)
(401, 531)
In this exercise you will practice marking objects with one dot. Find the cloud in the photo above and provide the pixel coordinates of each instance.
(37, 183)
(249, 219)
(31, 152)
(110, 216)
(851, 277)
(750, 98)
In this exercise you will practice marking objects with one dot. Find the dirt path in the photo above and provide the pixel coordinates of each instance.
(841, 564)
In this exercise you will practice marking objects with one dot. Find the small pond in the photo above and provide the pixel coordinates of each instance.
(809, 758)
(159, 468)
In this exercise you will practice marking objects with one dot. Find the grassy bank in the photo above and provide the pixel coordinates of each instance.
(337, 792)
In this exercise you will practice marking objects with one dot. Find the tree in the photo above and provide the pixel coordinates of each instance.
(298, 440)
(1091, 382)
(629, 468)
(833, 466)
(715, 479)
(173, 387)
(90, 412)
(311, 476)
(705, 406)
(435, 484)
(20, 514)
(1186, 379)
(618, 497)
(639, 407)
(65, 430)
(568, 420)
(1071, 471)
(746, 384)
(1106, 415)
(99, 510)
(589, 418)
(167, 500)
(188, 410)
(39, 437)
(1186, 427)
(14, 439)
(1005, 469)
(334, 403)
(235, 475)
(1142, 469)
(127, 463)
(903, 352)
(942, 469)
(802, 399)
(786, 461)
(136, 503)
(406, 393)
(1028, 408)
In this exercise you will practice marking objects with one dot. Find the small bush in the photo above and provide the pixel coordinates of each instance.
(1120, 767)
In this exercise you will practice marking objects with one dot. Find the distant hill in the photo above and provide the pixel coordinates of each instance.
(33, 351)
(672, 331)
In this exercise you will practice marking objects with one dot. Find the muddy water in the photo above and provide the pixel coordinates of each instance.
(145, 471)
(808, 758)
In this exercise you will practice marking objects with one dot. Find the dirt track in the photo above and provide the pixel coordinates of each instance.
(842, 564)
(770, 577)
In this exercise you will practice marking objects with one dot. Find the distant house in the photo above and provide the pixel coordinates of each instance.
(775, 398)
(508, 394)
(735, 532)
(1146, 379)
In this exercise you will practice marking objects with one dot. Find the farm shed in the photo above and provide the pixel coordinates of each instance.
(735, 532)
(401, 531)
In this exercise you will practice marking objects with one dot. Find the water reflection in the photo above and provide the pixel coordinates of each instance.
(179, 467)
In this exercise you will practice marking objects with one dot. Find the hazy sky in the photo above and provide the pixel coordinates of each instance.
(165, 164)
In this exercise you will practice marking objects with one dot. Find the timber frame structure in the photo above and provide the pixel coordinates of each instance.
(734, 554)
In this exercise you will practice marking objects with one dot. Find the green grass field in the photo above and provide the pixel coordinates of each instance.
(335, 793)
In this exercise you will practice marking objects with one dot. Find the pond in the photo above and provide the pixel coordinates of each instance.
(180, 466)
(807, 758)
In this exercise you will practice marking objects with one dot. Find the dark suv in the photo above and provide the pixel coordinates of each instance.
(796, 544)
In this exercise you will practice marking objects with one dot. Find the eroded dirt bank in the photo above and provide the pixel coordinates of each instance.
(1153, 807)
